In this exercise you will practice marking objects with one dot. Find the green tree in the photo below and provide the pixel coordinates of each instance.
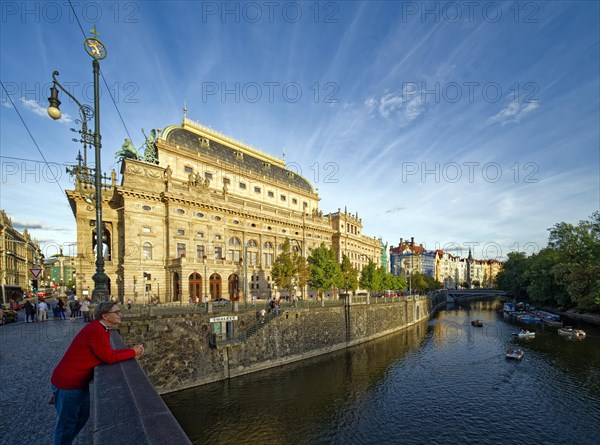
(367, 277)
(513, 278)
(284, 268)
(349, 275)
(543, 288)
(302, 272)
(578, 268)
(325, 271)
(418, 283)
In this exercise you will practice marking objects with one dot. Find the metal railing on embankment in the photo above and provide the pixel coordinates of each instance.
(138, 310)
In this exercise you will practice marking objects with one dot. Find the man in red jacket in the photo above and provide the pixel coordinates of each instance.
(71, 377)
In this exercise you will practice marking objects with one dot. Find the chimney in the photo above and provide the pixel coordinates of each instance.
(412, 241)
(401, 243)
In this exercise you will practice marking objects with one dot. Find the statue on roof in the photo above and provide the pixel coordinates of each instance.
(128, 151)
(150, 154)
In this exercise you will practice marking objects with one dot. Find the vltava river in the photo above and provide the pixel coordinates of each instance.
(442, 382)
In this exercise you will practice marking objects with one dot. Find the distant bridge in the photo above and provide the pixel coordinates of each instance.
(443, 296)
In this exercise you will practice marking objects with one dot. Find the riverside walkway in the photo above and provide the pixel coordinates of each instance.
(28, 354)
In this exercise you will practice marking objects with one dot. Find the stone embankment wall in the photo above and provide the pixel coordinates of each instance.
(178, 354)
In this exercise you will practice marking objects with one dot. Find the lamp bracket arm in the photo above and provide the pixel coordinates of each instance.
(85, 111)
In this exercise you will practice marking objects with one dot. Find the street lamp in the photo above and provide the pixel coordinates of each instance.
(97, 51)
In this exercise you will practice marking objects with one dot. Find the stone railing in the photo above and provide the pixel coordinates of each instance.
(127, 408)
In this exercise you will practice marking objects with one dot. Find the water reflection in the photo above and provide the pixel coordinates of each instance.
(444, 381)
(261, 407)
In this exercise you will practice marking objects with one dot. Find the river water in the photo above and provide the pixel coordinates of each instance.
(442, 381)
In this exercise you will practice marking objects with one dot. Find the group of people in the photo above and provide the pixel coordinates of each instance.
(78, 308)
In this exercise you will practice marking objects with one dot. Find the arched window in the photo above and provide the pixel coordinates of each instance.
(146, 251)
(234, 250)
(195, 286)
(233, 286)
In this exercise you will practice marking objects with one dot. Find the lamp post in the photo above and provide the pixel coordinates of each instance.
(97, 51)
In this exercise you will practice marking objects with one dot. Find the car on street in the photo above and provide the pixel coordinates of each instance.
(8, 315)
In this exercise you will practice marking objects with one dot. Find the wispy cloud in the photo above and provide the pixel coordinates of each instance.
(513, 112)
(403, 107)
(36, 108)
(395, 210)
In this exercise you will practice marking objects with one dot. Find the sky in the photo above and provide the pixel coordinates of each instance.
(461, 124)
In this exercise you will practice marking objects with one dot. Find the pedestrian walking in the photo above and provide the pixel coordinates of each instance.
(85, 309)
(60, 307)
(29, 312)
(43, 308)
(71, 377)
(129, 303)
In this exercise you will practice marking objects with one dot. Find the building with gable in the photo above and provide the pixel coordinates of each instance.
(204, 214)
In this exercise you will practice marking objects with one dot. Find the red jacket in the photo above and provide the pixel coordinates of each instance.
(90, 347)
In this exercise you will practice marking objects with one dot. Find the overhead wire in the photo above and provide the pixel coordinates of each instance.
(31, 136)
(103, 78)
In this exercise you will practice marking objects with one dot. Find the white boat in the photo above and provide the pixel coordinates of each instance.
(515, 354)
(523, 333)
(570, 332)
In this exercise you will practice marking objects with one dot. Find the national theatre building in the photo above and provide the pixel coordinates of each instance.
(204, 214)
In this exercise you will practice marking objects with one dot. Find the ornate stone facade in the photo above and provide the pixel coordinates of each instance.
(18, 254)
(207, 219)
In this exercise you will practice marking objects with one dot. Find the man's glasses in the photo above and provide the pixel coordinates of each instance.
(115, 312)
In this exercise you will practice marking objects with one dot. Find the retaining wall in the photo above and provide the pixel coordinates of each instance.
(178, 355)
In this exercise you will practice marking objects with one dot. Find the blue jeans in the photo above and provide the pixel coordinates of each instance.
(72, 412)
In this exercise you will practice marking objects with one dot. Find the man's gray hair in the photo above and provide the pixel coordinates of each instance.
(103, 308)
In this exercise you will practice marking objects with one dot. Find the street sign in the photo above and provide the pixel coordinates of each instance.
(35, 272)
(225, 318)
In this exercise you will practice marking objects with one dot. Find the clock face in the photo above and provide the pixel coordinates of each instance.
(95, 49)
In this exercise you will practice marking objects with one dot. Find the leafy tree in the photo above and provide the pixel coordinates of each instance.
(302, 272)
(432, 284)
(476, 284)
(284, 268)
(367, 277)
(513, 277)
(349, 275)
(543, 288)
(400, 283)
(325, 271)
(578, 268)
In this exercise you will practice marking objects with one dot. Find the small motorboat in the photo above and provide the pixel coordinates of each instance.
(515, 354)
(524, 333)
(570, 332)
(477, 323)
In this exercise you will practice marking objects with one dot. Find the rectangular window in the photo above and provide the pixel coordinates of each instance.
(256, 189)
(199, 251)
(294, 201)
(267, 259)
(180, 232)
(146, 229)
(208, 175)
(253, 258)
(218, 253)
(271, 194)
(226, 181)
(242, 186)
(233, 255)
(283, 198)
(188, 169)
(200, 235)
(180, 250)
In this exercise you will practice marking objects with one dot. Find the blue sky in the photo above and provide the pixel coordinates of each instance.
(461, 124)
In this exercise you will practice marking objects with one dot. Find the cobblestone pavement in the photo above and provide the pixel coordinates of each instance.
(28, 354)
